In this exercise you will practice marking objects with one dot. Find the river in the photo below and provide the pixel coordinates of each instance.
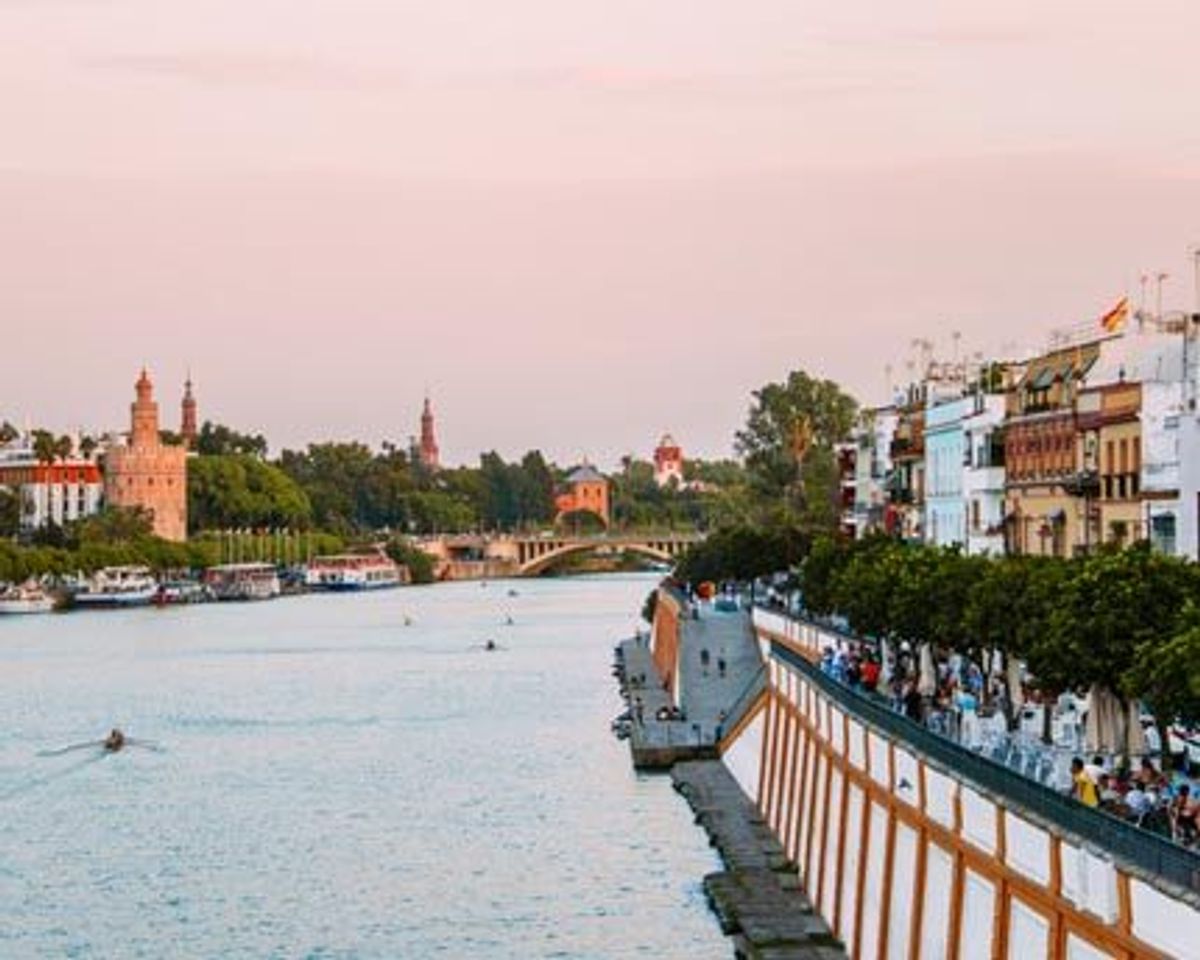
(333, 783)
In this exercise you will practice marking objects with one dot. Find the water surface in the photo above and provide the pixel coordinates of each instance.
(334, 783)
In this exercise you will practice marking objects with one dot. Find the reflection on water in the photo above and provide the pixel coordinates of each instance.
(335, 783)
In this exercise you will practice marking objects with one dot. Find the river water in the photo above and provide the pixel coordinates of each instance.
(334, 783)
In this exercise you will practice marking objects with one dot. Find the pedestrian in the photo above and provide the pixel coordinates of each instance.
(721, 666)
(639, 711)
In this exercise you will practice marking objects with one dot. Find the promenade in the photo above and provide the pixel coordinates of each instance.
(756, 897)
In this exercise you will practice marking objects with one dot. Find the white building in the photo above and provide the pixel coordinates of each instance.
(872, 465)
(60, 491)
(983, 474)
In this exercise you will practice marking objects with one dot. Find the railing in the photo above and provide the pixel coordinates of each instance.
(1123, 840)
(745, 699)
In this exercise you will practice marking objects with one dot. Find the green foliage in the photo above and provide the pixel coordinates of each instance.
(215, 439)
(808, 488)
(418, 562)
(239, 490)
(649, 606)
(10, 512)
(741, 553)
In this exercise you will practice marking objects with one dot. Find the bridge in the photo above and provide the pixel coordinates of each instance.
(468, 556)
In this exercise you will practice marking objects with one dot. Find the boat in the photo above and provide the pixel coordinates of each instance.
(173, 592)
(243, 581)
(26, 598)
(354, 571)
(131, 586)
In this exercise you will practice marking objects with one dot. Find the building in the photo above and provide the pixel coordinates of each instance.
(847, 468)
(146, 473)
(188, 430)
(906, 481)
(428, 449)
(983, 475)
(1046, 484)
(945, 469)
(57, 491)
(586, 492)
(668, 463)
(872, 467)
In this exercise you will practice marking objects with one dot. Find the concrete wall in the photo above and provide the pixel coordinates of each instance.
(904, 859)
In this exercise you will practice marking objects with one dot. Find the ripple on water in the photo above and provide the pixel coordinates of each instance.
(335, 784)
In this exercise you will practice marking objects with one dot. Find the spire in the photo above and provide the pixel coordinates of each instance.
(429, 446)
(187, 425)
(144, 414)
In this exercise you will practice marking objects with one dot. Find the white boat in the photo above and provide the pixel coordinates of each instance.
(243, 581)
(353, 571)
(26, 598)
(131, 586)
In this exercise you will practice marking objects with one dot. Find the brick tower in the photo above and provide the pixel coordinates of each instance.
(429, 447)
(187, 423)
(146, 473)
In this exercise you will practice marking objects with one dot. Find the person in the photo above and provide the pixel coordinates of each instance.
(1083, 787)
(721, 666)
(869, 674)
(490, 645)
(639, 711)
(114, 741)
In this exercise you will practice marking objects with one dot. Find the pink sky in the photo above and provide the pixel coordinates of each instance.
(578, 224)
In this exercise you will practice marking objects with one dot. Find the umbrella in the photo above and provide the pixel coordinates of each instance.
(927, 678)
(1016, 693)
(1135, 735)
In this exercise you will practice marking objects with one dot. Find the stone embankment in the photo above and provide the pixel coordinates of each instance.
(757, 897)
(718, 671)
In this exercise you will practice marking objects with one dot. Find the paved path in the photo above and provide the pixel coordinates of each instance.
(705, 692)
(756, 897)
(654, 743)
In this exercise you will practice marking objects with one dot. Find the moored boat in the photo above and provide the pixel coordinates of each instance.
(354, 571)
(173, 592)
(129, 586)
(26, 598)
(243, 581)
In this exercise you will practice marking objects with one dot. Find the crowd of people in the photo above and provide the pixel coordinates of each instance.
(956, 698)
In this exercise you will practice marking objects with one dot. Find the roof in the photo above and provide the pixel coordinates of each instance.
(585, 474)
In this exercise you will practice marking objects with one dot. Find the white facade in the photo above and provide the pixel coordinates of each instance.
(59, 492)
(872, 464)
(983, 477)
(945, 466)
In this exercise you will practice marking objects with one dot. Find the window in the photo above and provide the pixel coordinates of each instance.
(1121, 487)
(1108, 487)
(1137, 455)
(1110, 465)
(1124, 456)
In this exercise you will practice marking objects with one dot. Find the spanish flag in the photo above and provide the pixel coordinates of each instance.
(1115, 319)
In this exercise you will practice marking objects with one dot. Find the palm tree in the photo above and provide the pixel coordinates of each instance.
(45, 449)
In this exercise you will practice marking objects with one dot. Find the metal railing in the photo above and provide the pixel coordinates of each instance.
(1124, 841)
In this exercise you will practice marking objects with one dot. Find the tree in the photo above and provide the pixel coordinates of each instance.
(10, 512)
(788, 443)
(239, 490)
(407, 553)
(1167, 677)
(8, 433)
(218, 440)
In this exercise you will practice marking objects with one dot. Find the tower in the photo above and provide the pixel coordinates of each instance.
(147, 474)
(143, 415)
(187, 423)
(668, 462)
(429, 447)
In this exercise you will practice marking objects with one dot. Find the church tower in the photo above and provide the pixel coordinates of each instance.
(429, 447)
(187, 423)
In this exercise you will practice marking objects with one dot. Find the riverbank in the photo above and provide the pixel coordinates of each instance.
(676, 724)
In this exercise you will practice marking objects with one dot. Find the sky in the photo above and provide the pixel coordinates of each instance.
(576, 225)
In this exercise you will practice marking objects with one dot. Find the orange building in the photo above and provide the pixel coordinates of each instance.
(587, 492)
(147, 473)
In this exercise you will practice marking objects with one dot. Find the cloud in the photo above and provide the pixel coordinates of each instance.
(223, 69)
(629, 80)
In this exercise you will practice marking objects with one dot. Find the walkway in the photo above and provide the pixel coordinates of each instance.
(756, 897)
(706, 693)
(655, 744)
